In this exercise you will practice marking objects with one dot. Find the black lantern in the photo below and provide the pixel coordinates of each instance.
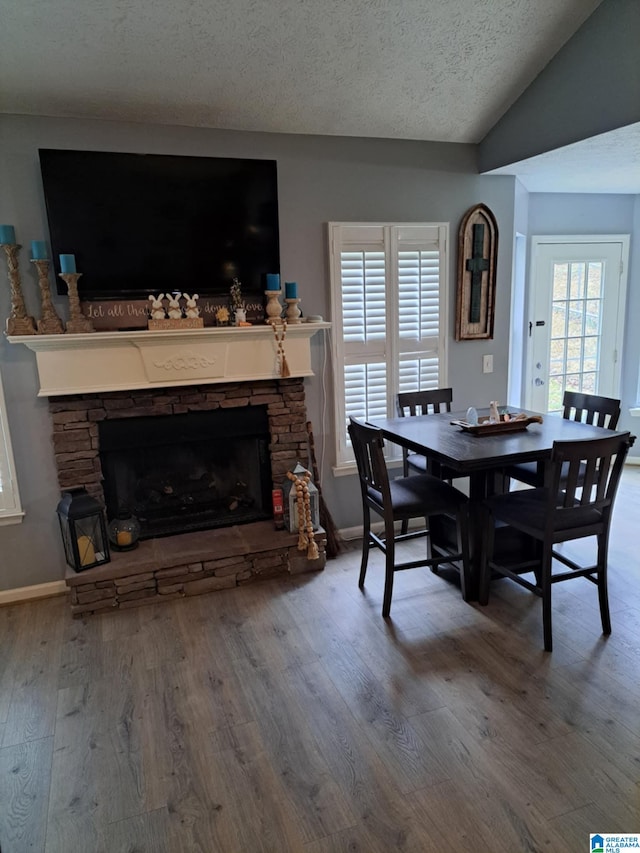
(83, 529)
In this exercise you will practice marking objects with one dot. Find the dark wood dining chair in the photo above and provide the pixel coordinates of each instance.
(412, 403)
(419, 495)
(577, 503)
(588, 408)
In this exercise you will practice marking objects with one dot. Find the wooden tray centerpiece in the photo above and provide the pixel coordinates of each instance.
(507, 423)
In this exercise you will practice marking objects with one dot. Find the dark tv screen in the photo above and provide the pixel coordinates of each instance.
(149, 223)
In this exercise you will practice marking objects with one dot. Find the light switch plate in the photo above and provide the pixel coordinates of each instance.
(487, 364)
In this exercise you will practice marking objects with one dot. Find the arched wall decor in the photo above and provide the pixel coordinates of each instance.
(477, 255)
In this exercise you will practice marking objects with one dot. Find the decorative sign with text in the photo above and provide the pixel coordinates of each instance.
(121, 315)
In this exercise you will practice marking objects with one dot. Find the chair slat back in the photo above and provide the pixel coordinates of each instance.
(414, 403)
(368, 448)
(591, 409)
(586, 473)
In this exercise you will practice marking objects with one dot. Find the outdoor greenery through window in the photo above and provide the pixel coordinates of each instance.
(575, 329)
(388, 315)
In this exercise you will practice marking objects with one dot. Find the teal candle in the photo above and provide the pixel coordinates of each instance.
(39, 251)
(7, 234)
(68, 263)
(291, 290)
(273, 281)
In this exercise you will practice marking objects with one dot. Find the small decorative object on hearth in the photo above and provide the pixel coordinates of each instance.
(278, 509)
(280, 333)
(191, 309)
(174, 316)
(157, 311)
(83, 528)
(222, 316)
(301, 509)
(18, 322)
(50, 323)
(174, 310)
(238, 307)
(124, 531)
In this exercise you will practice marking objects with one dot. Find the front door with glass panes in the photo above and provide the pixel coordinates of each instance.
(578, 289)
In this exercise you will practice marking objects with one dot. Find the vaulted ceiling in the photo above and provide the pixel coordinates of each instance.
(440, 70)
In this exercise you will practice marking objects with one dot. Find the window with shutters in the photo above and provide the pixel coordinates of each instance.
(389, 317)
(10, 509)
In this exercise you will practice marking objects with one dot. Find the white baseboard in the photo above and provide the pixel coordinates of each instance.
(348, 533)
(27, 593)
(632, 460)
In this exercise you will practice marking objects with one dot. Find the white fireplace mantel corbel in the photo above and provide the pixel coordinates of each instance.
(126, 361)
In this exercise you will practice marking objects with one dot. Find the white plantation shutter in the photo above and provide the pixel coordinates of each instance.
(388, 316)
(363, 296)
(10, 509)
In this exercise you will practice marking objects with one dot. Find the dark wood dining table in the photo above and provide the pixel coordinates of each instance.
(480, 457)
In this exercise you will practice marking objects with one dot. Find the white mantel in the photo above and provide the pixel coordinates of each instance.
(126, 361)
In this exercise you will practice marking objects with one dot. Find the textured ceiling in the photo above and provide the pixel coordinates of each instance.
(440, 70)
(608, 163)
(443, 70)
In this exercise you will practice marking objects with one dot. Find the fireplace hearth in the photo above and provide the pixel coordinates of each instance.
(226, 554)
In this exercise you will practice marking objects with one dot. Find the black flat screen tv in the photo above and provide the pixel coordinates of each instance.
(150, 223)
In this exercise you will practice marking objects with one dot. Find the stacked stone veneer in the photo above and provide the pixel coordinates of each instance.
(193, 563)
(75, 422)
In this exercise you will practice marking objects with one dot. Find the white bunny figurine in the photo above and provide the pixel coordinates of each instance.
(191, 309)
(174, 311)
(157, 308)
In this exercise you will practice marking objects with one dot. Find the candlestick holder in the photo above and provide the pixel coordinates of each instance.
(18, 322)
(50, 323)
(273, 307)
(77, 322)
(293, 312)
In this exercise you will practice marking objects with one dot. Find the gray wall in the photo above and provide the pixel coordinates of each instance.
(320, 179)
(592, 85)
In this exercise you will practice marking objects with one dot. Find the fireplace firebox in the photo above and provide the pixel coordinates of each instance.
(188, 472)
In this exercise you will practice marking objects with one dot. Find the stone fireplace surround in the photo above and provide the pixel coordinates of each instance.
(193, 563)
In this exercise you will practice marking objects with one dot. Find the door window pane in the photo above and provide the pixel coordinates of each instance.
(577, 281)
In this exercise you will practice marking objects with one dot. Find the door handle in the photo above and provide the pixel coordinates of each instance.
(538, 381)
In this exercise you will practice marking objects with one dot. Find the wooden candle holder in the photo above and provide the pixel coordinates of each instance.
(273, 307)
(293, 312)
(18, 322)
(50, 323)
(77, 322)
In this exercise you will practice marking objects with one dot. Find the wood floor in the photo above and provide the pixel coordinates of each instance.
(289, 716)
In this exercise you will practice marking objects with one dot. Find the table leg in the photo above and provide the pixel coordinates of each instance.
(481, 485)
(478, 484)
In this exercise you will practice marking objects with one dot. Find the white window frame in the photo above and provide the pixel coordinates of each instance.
(10, 507)
(391, 238)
